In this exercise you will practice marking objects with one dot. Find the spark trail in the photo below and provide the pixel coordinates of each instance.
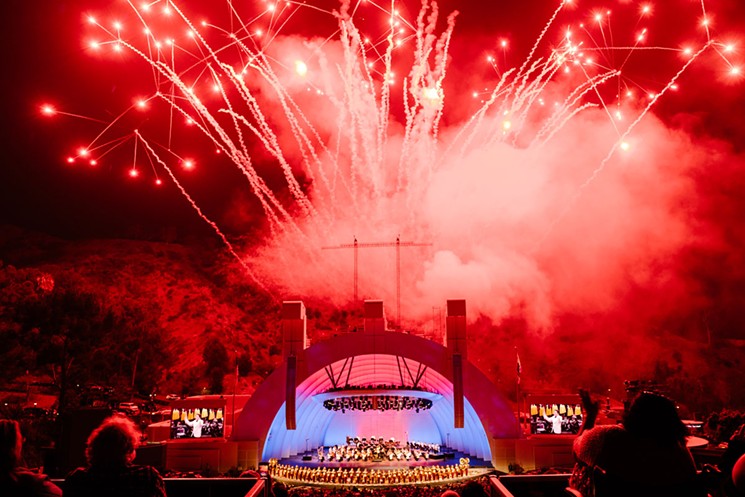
(362, 151)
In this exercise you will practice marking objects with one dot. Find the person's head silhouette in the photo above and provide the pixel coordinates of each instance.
(10, 445)
(654, 416)
(113, 443)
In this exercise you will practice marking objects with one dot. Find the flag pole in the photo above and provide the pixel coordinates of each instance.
(517, 393)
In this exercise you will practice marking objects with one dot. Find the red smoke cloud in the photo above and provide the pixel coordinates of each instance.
(546, 229)
(553, 206)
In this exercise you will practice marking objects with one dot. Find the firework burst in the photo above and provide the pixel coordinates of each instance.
(355, 121)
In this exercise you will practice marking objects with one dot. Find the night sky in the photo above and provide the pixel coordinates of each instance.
(46, 61)
(658, 229)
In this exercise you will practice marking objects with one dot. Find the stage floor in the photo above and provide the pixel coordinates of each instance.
(472, 473)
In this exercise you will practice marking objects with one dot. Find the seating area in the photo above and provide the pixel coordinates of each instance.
(223, 487)
(557, 485)
(207, 487)
(545, 485)
(401, 491)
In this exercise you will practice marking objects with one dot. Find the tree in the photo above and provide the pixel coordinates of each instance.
(18, 288)
(245, 364)
(137, 343)
(65, 328)
(217, 363)
(79, 340)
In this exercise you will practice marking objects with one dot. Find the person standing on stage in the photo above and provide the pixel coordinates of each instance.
(196, 425)
(555, 419)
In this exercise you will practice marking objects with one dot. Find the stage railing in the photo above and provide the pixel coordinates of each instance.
(210, 487)
(216, 487)
(553, 485)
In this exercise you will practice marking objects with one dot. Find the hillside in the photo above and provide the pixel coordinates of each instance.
(176, 318)
(176, 290)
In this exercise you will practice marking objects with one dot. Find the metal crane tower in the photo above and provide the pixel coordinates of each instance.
(398, 244)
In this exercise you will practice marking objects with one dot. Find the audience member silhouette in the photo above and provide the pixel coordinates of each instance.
(738, 478)
(734, 452)
(110, 473)
(15, 480)
(279, 489)
(473, 489)
(647, 456)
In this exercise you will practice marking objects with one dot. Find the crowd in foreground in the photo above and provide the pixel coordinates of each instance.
(110, 472)
(644, 456)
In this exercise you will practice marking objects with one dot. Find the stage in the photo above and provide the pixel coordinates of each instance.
(445, 468)
(472, 474)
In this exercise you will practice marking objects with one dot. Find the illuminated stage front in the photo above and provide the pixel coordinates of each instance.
(318, 426)
(388, 364)
(444, 419)
(363, 475)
